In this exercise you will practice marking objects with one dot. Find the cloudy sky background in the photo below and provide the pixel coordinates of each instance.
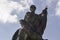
(11, 11)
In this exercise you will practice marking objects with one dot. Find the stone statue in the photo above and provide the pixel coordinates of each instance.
(33, 25)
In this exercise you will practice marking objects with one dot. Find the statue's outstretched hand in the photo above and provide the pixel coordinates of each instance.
(46, 7)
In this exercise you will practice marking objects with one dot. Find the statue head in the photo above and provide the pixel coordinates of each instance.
(22, 22)
(32, 8)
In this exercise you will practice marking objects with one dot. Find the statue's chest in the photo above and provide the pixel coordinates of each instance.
(32, 18)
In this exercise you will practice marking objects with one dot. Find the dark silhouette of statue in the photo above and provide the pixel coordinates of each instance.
(33, 25)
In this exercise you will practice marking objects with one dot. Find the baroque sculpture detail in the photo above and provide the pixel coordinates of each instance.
(33, 25)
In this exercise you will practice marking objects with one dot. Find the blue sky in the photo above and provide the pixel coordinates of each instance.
(11, 11)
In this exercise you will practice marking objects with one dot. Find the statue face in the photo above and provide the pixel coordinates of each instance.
(28, 15)
(32, 9)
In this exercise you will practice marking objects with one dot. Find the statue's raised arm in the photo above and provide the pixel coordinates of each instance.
(44, 11)
(43, 21)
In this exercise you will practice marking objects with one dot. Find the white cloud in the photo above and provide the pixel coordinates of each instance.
(48, 2)
(6, 7)
(58, 8)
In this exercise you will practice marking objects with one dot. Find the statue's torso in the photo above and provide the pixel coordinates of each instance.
(30, 18)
